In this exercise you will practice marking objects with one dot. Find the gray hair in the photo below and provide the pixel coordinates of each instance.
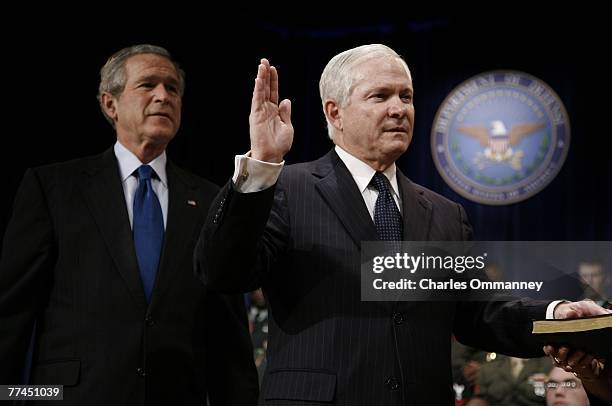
(338, 79)
(112, 74)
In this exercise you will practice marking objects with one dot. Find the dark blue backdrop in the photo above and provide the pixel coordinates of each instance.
(51, 83)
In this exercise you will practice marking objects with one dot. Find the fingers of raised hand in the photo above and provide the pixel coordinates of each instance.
(258, 90)
(273, 85)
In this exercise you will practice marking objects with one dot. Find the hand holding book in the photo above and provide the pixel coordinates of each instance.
(592, 372)
(579, 341)
(592, 335)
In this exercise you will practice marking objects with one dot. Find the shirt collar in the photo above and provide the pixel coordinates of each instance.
(363, 173)
(128, 163)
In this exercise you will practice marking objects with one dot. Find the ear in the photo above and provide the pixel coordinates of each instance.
(333, 113)
(109, 104)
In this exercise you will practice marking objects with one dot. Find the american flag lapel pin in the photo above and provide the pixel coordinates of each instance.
(192, 203)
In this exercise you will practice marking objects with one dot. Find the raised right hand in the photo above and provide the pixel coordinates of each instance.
(270, 125)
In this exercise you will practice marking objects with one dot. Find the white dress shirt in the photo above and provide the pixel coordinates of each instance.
(128, 164)
(363, 173)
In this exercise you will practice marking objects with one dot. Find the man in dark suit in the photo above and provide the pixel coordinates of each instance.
(98, 256)
(298, 234)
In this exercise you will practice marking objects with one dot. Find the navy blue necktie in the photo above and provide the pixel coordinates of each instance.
(386, 215)
(148, 228)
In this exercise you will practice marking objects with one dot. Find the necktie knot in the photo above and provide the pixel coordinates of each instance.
(380, 182)
(144, 172)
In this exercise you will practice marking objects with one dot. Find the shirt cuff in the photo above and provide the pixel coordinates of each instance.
(252, 175)
(550, 310)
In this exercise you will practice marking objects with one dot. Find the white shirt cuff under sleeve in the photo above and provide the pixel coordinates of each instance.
(252, 175)
(550, 310)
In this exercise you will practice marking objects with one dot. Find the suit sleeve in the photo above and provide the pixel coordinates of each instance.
(28, 254)
(501, 326)
(244, 235)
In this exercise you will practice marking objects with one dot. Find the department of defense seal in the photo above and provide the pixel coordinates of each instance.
(500, 137)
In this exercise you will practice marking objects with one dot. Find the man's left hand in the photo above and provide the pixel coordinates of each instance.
(583, 308)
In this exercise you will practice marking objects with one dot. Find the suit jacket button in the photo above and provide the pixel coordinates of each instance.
(140, 372)
(398, 318)
(150, 322)
(392, 384)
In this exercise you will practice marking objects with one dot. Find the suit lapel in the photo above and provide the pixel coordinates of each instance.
(416, 210)
(416, 215)
(181, 223)
(338, 189)
(105, 198)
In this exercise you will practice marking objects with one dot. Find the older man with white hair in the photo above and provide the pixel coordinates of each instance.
(297, 232)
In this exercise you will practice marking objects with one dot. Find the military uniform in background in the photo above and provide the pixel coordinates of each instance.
(507, 381)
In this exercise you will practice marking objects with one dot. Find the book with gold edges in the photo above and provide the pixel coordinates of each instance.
(590, 334)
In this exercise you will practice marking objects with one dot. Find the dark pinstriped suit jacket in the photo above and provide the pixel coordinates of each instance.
(68, 262)
(300, 240)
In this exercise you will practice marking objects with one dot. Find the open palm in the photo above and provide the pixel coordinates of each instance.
(270, 121)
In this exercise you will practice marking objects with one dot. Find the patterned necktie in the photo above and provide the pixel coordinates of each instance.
(386, 215)
(148, 229)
